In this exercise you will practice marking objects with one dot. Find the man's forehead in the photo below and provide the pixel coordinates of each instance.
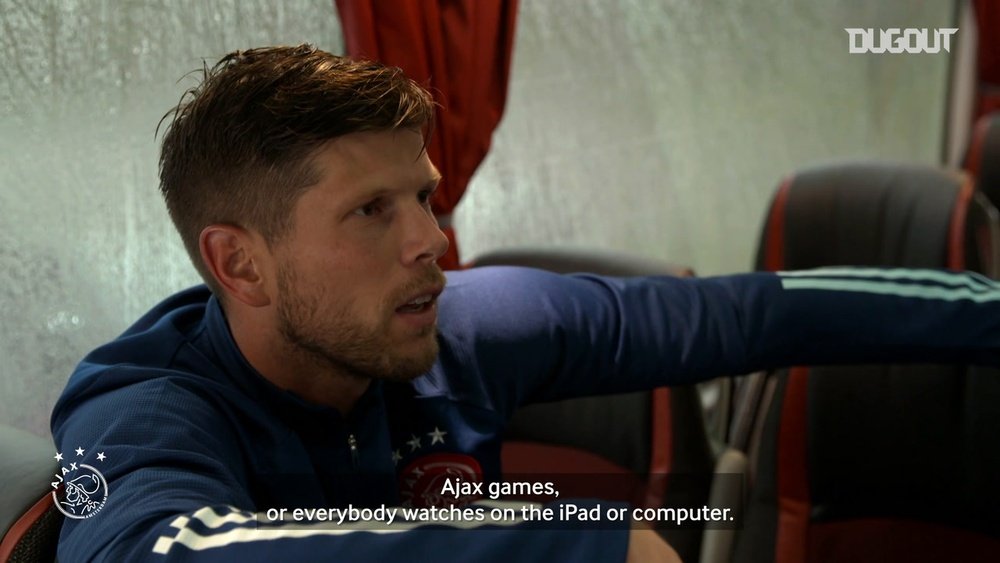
(370, 152)
(372, 162)
(360, 143)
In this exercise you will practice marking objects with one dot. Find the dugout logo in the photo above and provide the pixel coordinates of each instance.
(895, 40)
(79, 489)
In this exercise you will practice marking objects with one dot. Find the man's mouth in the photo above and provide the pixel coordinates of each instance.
(420, 302)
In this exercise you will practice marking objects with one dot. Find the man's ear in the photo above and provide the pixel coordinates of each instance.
(233, 255)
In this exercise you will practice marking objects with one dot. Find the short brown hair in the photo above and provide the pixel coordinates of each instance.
(237, 149)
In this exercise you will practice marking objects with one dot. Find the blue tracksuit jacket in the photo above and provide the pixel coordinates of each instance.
(195, 446)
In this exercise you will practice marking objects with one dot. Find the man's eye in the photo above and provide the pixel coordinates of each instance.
(369, 209)
(425, 196)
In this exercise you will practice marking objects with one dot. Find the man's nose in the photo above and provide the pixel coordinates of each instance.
(424, 240)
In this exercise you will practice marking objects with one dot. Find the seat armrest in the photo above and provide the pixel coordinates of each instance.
(27, 465)
(717, 545)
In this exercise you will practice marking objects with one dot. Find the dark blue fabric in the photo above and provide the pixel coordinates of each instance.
(196, 441)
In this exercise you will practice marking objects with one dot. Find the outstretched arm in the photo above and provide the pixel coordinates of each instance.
(537, 336)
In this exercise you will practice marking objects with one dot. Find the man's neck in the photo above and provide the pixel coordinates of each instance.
(295, 370)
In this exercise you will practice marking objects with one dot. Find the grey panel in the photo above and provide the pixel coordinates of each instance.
(85, 242)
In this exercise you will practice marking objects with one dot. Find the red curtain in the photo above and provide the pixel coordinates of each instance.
(988, 57)
(461, 50)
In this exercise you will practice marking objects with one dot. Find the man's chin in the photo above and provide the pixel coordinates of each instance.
(423, 363)
(409, 366)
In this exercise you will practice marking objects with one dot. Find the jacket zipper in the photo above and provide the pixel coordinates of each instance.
(352, 442)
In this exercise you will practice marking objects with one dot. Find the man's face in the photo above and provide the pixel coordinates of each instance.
(357, 278)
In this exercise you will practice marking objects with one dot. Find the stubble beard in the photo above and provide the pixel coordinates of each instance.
(339, 341)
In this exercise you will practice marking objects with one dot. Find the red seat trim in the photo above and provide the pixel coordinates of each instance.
(23, 524)
(956, 229)
(774, 257)
(793, 485)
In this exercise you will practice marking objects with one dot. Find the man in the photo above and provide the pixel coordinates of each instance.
(330, 365)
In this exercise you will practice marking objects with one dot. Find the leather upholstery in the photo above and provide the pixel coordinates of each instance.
(29, 523)
(868, 463)
(623, 440)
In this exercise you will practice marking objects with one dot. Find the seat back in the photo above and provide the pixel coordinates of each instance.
(982, 158)
(29, 521)
(652, 445)
(982, 161)
(880, 462)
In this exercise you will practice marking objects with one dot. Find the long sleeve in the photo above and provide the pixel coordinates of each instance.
(192, 440)
(178, 491)
(537, 336)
